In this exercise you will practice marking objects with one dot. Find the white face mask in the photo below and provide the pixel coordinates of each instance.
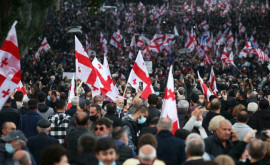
(198, 123)
(128, 95)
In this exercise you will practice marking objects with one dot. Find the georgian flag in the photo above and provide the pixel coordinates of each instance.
(204, 25)
(242, 28)
(43, 48)
(142, 42)
(191, 41)
(212, 82)
(116, 39)
(10, 67)
(103, 41)
(204, 87)
(169, 109)
(139, 74)
(186, 6)
(71, 92)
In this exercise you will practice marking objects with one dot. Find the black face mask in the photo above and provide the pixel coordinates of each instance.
(93, 118)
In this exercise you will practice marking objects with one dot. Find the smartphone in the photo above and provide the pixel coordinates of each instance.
(125, 102)
(141, 86)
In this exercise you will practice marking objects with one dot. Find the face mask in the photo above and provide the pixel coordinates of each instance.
(100, 105)
(93, 118)
(9, 148)
(48, 98)
(157, 93)
(198, 123)
(58, 98)
(101, 163)
(142, 120)
(19, 105)
(128, 95)
(87, 98)
(119, 109)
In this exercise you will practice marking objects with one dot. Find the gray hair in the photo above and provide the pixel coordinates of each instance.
(252, 107)
(165, 124)
(195, 147)
(75, 100)
(183, 104)
(147, 156)
(227, 122)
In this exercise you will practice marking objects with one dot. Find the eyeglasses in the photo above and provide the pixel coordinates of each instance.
(99, 128)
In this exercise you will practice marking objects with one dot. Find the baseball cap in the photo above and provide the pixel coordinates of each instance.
(15, 135)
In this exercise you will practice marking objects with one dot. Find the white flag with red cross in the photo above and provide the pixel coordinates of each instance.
(107, 70)
(212, 82)
(204, 87)
(71, 92)
(43, 48)
(21, 88)
(84, 68)
(140, 74)
(107, 86)
(103, 41)
(10, 67)
(169, 109)
(116, 40)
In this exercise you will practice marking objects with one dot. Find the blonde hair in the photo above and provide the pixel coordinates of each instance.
(224, 160)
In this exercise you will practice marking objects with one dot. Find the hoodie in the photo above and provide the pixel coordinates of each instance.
(45, 111)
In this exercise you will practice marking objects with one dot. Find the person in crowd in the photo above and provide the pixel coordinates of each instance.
(55, 154)
(82, 121)
(251, 109)
(73, 108)
(147, 154)
(261, 118)
(8, 113)
(153, 111)
(183, 113)
(119, 134)
(16, 141)
(151, 128)
(194, 151)
(111, 114)
(94, 115)
(98, 100)
(24, 107)
(7, 127)
(131, 122)
(241, 126)
(18, 97)
(59, 122)
(224, 160)
(215, 106)
(214, 124)
(43, 109)
(223, 141)
(106, 151)
(22, 158)
(86, 146)
(52, 100)
(37, 143)
(30, 119)
(170, 149)
(119, 107)
(103, 128)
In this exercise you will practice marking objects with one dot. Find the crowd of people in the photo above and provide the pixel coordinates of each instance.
(230, 127)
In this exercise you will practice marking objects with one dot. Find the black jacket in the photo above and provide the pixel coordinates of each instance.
(214, 146)
(71, 111)
(170, 149)
(37, 143)
(262, 119)
(72, 142)
(114, 118)
(153, 112)
(194, 162)
(9, 114)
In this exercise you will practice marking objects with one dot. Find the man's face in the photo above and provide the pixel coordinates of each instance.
(101, 130)
(201, 98)
(93, 111)
(9, 127)
(88, 95)
(107, 156)
(63, 160)
(224, 132)
(100, 101)
(120, 103)
(16, 144)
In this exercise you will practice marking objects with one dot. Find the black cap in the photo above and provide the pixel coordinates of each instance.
(43, 123)
(14, 135)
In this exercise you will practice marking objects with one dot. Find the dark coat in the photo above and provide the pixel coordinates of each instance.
(170, 149)
(37, 143)
(153, 112)
(208, 118)
(72, 142)
(71, 111)
(213, 146)
(262, 119)
(124, 151)
(194, 162)
(251, 121)
(29, 123)
(114, 118)
(85, 159)
(9, 114)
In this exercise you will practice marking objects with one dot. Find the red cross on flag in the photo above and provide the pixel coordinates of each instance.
(10, 68)
(169, 109)
(21, 88)
(103, 41)
(116, 40)
(107, 85)
(71, 92)
(43, 48)
(204, 87)
(84, 67)
(138, 74)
